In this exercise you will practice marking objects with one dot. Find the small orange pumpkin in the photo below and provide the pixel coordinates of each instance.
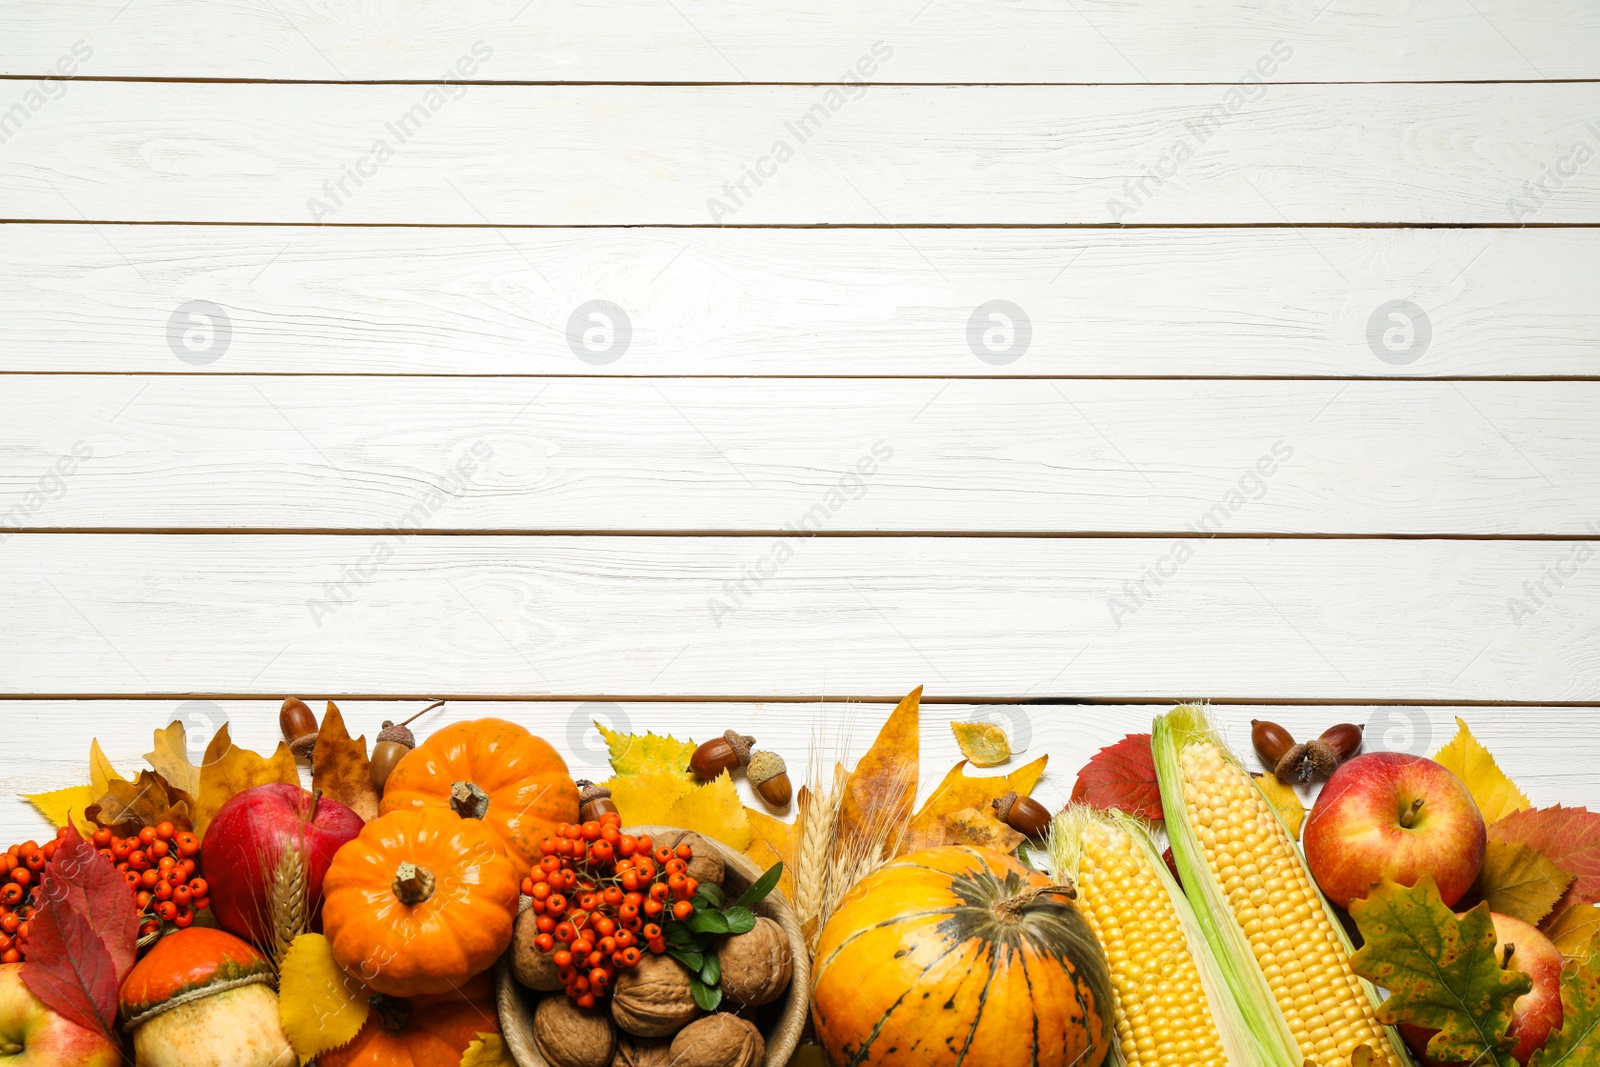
(956, 950)
(422, 1031)
(493, 770)
(419, 902)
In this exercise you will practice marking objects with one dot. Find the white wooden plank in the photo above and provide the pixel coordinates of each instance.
(812, 40)
(985, 455)
(1549, 752)
(604, 155)
(657, 616)
(803, 302)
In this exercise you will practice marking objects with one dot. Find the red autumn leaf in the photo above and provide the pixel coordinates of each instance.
(1569, 836)
(83, 937)
(1122, 776)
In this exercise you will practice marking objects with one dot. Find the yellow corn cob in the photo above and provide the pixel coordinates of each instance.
(1253, 862)
(1163, 1008)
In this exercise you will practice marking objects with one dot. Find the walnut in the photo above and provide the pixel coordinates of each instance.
(707, 865)
(643, 1052)
(756, 965)
(534, 968)
(570, 1036)
(653, 999)
(719, 1040)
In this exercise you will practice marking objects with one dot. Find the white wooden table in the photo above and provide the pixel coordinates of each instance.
(690, 364)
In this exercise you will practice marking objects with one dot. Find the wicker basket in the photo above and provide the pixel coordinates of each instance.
(782, 1021)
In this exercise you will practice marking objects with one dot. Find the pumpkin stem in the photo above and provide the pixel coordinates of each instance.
(1009, 910)
(469, 800)
(392, 1012)
(413, 884)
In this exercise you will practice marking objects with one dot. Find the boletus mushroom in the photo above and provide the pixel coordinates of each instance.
(203, 998)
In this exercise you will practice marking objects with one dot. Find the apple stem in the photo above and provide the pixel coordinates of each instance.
(1505, 955)
(9, 1049)
(1408, 817)
(421, 713)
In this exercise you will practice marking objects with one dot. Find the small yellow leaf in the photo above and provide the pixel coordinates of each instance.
(1520, 881)
(1574, 931)
(101, 773)
(170, 759)
(229, 769)
(984, 743)
(489, 1050)
(713, 810)
(639, 753)
(646, 798)
(319, 1006)
(1285, 801)
(57, 805)
(1497, 796)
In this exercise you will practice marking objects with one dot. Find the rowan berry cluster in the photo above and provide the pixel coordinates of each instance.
(162, 867)
(602, 897)
(20, 867)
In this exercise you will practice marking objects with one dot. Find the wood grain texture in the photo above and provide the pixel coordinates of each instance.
(1532, 744)
(645, 616)
(607, 155)
(984, 455)
(814, 40)
(1267, 302)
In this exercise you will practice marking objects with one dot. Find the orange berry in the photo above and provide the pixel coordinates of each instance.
(682, 909)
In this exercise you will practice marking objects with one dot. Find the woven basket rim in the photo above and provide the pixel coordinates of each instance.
(514, 1003)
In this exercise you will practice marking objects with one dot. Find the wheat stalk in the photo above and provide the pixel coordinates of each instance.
(818, 820)
(288, 903)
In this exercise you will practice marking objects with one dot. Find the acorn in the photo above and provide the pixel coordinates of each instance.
(728, 753)
(1321, 756)
(770, 777)
(1025, 815)
(1271, 741)
(394, 741)
(299, 725)
(593, 801)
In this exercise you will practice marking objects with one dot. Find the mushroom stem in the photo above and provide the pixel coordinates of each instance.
(413, 885)
(1009, 910)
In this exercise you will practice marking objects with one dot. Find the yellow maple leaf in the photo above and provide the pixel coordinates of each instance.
(101, 773)
(1285, 801)
(229, 769)
(646, 798)
(488, 1050)
(320, 1007)
(57, 805)
(713, 810)
(1497, 796)
(641, 753)
(170, 759)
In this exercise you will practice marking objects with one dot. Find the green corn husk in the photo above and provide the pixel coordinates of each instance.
(1170, 735)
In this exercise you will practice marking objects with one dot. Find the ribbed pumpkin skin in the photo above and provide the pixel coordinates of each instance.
(917, 970)
(527, 782)
(438, 1032)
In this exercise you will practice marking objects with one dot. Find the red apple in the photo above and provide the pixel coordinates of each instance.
(246, 840)
(31, 1035)
(1389, 815)
(1534, 1015)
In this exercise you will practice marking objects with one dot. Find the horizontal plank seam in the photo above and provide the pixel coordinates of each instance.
(1259, 225)
(470, 375)
(1020, 535)
(832, 698)
(562, 84)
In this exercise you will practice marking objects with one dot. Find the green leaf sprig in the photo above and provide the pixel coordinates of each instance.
(692, 941)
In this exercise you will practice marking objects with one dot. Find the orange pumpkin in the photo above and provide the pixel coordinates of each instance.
(422, 1031)
(960, 955)
(492, 770)
(419, 902)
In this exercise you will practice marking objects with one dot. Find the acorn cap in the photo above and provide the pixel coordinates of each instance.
(400, 735)
(303, 746)
(588, 791)
(189, 965)
(765, 766)
(1003, 805)
(741, 744)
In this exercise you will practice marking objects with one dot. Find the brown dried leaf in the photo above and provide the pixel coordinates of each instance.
(229, 769)
(128, 807)
(883, 787)
(972, 826)
(171, 758)
(340, 768)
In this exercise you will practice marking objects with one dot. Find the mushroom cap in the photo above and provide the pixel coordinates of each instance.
(186, 966)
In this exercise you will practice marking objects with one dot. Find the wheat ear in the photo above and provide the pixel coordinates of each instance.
(288, 904)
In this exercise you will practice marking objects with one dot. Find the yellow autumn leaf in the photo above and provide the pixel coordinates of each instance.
(772, 841)
(641, 753)
(646, 798)
(101, 773)
(713, 810)
(170, 759)
(57, 805)
(488, 1050)
(1285, 801)
(1575, 931)
(1520, 881)
(984, 743)
(229, 769)
(1497, 796)
(319, 1006)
